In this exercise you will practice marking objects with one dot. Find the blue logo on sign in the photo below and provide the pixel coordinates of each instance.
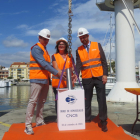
(71, 99)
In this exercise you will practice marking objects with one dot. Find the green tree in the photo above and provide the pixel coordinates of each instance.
(10, 77)
(137, 73)
(112, 66)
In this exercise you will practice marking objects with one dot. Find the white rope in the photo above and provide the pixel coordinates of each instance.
(127, 7)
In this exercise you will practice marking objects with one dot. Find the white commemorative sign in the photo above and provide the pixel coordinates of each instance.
(71, 109)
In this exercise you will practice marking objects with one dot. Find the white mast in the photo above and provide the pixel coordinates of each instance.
(124, 48)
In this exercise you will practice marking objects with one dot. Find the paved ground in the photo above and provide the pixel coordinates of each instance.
(122, 114)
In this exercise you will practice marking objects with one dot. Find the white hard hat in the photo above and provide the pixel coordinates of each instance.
(82, 31)
(61, 39)
(45, 33)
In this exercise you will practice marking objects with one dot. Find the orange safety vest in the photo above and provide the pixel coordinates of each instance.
(60, 62)
(36, 70)
(91, 62)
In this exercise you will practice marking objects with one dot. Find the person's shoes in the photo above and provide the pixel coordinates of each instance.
(28, 130)
(42, 123)
(104, 128)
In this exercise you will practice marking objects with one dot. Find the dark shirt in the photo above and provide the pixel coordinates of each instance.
(103, 61)
(37, 54)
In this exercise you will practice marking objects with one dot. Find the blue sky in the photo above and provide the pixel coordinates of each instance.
(21, 20)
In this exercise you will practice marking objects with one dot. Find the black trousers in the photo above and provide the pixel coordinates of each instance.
(88, 85)
(55, 92)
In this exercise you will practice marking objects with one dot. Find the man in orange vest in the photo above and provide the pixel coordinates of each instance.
(40, 70)
(91, 61)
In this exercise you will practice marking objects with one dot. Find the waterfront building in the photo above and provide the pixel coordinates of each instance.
(4, 72)
(19, 70)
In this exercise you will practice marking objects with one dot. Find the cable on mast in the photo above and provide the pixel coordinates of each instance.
(127, 7)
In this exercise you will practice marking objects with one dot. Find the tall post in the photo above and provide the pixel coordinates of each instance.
(125, 53)
(110, 39)
(139, 69)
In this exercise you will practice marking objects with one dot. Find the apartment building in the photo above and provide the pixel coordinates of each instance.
(19, 70)
(4, 72)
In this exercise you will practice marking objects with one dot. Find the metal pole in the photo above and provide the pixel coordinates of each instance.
(69, 80)
(110, 39)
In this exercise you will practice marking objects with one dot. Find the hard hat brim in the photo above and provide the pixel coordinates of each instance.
(44, 36)
(61, 40)
(83, 34)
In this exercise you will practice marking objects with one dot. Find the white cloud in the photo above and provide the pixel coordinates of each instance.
(12, 41)
(57, 33)
(7, 59)
(52, 6)
(91, 18)
(136, 15)
(23, 26)
(29, 31)
(16, 13)
(32, 32)
(85, 15)
(76, 43)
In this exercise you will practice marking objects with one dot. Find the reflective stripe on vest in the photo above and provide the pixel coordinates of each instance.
(55, 77)
(36, 71)
(36, 68)
(31, 62)
(92, 66)
(91, 62)
(94, 59)
(60, 62)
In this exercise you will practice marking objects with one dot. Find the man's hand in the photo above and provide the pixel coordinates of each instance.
(104, 79)
(64, 76)
(74, 78)
(59, 73)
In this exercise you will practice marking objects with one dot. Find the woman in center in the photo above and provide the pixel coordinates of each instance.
(58, 61)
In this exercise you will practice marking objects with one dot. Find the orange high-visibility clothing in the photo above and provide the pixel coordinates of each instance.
(91, 62)
(36, 71)
(60, 62)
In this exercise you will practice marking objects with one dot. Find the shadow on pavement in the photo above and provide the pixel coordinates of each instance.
(3, 113)
(50, 119)
(128, 128)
